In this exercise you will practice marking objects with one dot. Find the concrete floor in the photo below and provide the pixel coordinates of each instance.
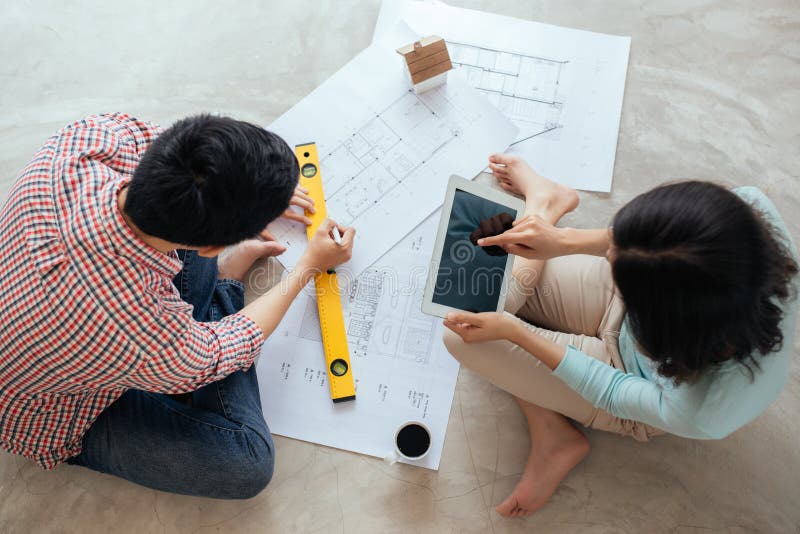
(713, 93)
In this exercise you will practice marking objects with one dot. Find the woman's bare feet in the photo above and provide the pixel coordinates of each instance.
(543, 197)
(556, 447)
(235, 261)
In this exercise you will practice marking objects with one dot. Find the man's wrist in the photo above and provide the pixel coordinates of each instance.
(304, 271)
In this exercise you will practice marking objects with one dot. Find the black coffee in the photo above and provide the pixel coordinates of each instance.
(413, 440)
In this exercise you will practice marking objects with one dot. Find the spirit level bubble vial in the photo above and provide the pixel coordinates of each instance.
(329, 303)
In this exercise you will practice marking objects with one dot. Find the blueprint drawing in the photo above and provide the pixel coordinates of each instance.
(561, 87)
(386, 153)
(524, 88)
(402, 370)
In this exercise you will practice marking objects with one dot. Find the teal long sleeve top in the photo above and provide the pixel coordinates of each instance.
(721, 401)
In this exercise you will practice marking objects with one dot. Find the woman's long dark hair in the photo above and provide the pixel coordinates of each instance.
(701, 273)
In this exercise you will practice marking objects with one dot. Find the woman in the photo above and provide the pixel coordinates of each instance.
(678, 319)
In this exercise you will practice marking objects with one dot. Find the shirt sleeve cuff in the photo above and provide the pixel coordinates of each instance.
(252, 338)
(573, 366)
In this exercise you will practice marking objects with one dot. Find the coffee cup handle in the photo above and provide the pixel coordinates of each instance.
(391, 458)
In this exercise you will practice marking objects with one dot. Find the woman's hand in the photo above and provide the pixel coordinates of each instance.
(490, 227)
(474, 327)
(489, 326)
(531, 237)
(323, 253)
(301, 200)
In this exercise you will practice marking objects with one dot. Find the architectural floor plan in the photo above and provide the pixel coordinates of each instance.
(386, 153)
(386, 322)
(526, 89)
(402, 369)
(390, 152)
(562, 87)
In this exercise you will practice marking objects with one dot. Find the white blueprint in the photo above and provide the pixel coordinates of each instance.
(562, 87)
(402, 370)
(386, 154)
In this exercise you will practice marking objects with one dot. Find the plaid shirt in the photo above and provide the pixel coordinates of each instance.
(88, 310)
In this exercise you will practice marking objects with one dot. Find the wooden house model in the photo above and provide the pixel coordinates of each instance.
(428, 62)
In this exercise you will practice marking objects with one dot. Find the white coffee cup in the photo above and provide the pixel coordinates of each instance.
(412, 441)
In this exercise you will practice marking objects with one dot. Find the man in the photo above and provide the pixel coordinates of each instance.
(112, 300)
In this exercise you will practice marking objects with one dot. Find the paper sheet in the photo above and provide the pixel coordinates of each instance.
(402, 370)
(386, 154)
(562, 87)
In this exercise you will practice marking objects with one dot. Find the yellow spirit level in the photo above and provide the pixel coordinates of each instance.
(329, 303)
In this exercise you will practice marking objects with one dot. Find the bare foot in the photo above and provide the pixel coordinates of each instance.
(556, 449)
(235, 261)
(542, 196)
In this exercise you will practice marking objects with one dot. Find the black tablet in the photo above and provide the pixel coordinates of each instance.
(463, 275)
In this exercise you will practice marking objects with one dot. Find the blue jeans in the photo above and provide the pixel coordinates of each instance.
(218, 446)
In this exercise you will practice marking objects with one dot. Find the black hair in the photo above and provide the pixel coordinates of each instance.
(701, 273)
(211, 181)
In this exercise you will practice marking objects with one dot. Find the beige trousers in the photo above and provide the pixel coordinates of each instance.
(574, 303)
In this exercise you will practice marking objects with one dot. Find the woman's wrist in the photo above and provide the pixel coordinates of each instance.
(548, 352)
(569, 240)
(580, 241)
(512, 329)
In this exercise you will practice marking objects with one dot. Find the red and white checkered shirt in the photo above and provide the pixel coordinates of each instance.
(88, 310)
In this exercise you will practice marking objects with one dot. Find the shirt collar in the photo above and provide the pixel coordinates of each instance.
(126, 242)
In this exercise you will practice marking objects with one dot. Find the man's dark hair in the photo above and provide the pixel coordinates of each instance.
(701, 274)
(211, 181)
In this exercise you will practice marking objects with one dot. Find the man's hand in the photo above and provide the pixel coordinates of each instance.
(235, 261)
(474, 327)
(301, 200)
(270, 244)
(323, 253)
(531, 237)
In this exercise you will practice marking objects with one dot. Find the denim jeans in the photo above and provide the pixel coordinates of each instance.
(219, 446)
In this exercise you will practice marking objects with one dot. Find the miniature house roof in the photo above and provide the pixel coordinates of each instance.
(426, 58)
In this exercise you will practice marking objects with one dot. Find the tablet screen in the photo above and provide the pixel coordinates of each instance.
(470, 278)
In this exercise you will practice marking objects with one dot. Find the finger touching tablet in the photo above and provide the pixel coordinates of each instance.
(464, 275)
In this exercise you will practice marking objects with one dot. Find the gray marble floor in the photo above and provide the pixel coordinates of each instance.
(713, 93)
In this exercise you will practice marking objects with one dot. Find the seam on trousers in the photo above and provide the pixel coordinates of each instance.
(221, 397)
(189, 416)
